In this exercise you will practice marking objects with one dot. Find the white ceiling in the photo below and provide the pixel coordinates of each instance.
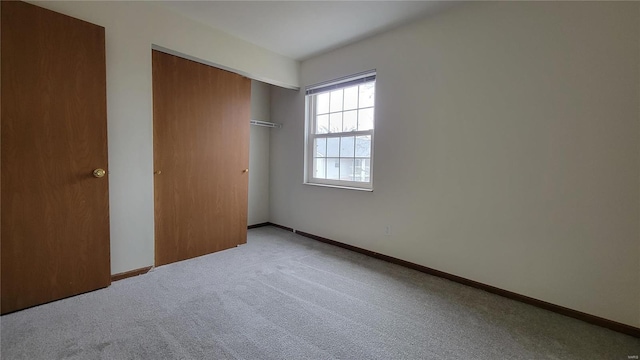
(302, 29)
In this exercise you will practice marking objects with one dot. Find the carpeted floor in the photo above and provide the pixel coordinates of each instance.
(283, 296)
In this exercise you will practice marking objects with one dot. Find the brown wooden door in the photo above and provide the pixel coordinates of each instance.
(201, 155)
(55, 214)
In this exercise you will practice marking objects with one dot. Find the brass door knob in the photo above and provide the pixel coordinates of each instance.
(245, 170)
(99, 173)
(158, 172)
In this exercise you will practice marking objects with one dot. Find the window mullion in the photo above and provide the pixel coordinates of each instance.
(350, 133)
(358, 110)
(343, 109)
(311, 138)
(353, 170)
(326, 165)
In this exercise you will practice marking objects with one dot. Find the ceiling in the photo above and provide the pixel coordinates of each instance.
(302, 29)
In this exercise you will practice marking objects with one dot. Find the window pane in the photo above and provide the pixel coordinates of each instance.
(319, 168)
(351, 98)
(336, 100)
(365, 119)
(333, 169)
(363, 146)
(322, 103)
(321, 148)
(350, 121)
(333, 147)
(346, 146)
(367, 94)
(362, 171)
(322, 124)
(346, 169)
(335, 122)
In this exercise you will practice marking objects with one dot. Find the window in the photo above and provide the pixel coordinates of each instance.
(340, 127)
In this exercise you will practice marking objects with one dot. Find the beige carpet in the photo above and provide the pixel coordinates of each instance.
(283, 296)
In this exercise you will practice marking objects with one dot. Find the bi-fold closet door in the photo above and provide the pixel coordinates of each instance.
(201, 157)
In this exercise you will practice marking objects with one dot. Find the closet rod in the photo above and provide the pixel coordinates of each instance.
(265, 123)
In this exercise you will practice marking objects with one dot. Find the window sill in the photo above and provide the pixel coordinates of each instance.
(339, 187)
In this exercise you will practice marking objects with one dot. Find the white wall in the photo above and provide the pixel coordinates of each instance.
(131, 29)
(259, 155)
(507, 151)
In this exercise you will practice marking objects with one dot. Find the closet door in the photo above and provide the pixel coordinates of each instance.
(55, 211)
(201, 158)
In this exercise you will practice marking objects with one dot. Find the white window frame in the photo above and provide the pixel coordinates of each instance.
(310, 135)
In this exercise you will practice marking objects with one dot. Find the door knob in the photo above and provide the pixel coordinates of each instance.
(245, 170)
(99, 173)
(158, 172)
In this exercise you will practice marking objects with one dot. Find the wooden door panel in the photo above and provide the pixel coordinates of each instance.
(201, 132)
(55, 214)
